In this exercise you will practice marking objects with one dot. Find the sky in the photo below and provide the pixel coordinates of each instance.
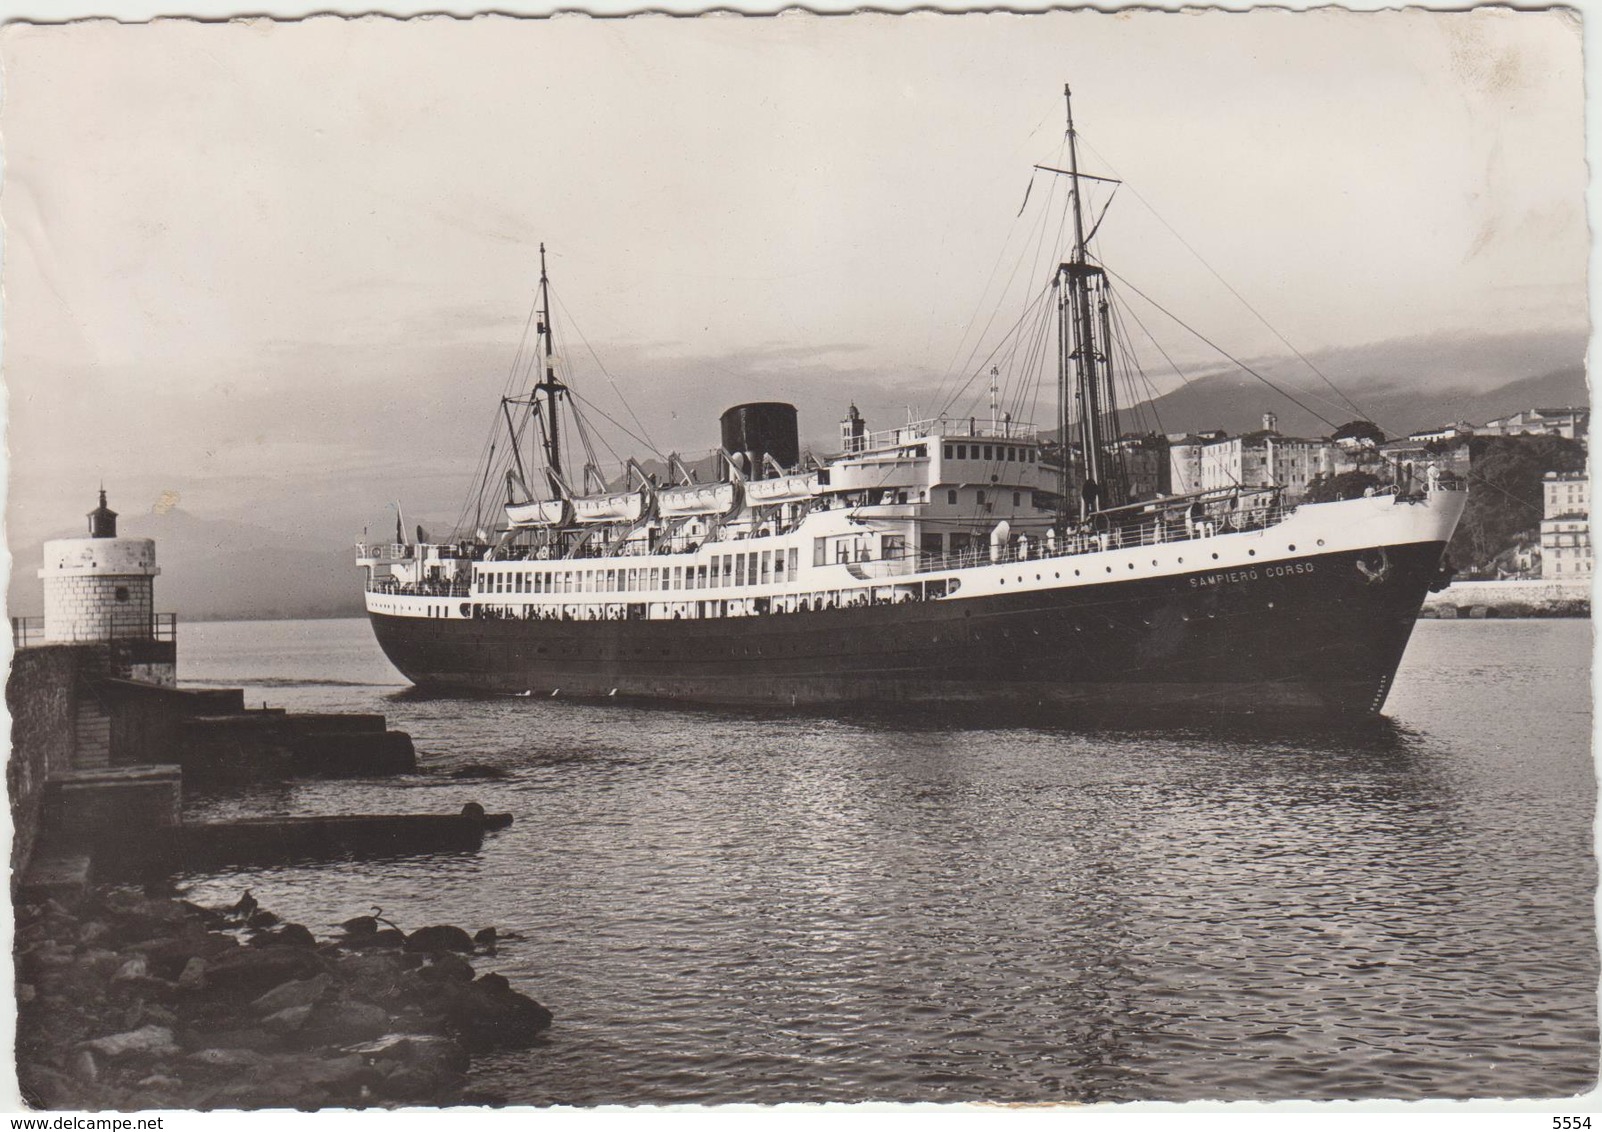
(279, 271)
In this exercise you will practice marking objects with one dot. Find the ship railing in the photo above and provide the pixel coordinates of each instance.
(385, 550)
(935, 427)
(418, 589)
(1145, 530)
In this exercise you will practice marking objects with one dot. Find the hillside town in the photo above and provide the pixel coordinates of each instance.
(1532, 491)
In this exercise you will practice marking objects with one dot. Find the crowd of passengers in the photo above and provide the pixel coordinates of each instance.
(636, 611)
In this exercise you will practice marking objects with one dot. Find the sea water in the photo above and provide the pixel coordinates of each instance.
(727, 906)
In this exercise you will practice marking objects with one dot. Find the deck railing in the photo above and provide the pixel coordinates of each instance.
(29, 631)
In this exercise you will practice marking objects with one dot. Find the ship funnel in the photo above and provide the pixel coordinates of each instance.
(762, 428)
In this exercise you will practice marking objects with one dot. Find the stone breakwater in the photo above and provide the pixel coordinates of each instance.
(1511, 598)
(130, 1002)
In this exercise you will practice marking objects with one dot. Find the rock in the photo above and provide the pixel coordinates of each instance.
(92, 931)
(342, 1023)
(445, 965)
(227, 1058)
(159, 1081)
(151, 1041)
(193, 976)
(99, 964)
(252, 971)
(135, 968)
(485, 939)
(250, 1039)
(386, 938)
(359, 926)
(287, 1020)
(243, 908)
(489, 1015)
(303, 992)
(25, 993)
(373, 975)
(84, 1067)
(290, 935)
(159, 1015)
(208, 917)
(261, 919)
(45, 1088)
(441, 937)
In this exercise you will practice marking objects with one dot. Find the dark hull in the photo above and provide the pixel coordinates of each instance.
(1326, 640)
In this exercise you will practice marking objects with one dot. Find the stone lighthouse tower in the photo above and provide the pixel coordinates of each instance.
(102, 589)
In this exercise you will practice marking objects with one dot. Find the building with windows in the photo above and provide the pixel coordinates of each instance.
(1265, 458)
(1566, 529)
(1570, 423)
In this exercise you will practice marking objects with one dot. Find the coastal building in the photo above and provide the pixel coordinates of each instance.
(1147, 463)
(1571, 423)
(1265, 458)
(1457, 430)
(1566, 529)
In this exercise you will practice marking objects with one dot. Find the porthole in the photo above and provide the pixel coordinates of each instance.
(1215, 554)
(1292, 547)
(1109, 569)
(1076, 573)
(121, 593)
(1320, 542)
(1251, 554)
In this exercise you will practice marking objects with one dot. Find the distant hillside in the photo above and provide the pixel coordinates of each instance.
(215, 568)
(1236, 402)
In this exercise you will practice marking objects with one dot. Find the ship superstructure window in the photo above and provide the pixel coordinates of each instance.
(948, 452)
(793, 555)
(767, 565)
(820, 551)
(739, 569)
(981, 499)
(951, 496)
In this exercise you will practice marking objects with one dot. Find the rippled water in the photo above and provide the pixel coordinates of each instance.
(727, 907)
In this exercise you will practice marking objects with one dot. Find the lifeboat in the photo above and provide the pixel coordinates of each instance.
(612, 507)
(782, 489)
(697, 499)
(539, 513)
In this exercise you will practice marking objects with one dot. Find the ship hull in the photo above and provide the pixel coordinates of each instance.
(1323, 635)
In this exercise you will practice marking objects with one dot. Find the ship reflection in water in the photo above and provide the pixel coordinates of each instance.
(742, 907)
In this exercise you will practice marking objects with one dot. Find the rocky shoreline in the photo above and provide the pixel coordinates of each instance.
(128, 1001)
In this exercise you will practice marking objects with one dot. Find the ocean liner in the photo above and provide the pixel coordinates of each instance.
(953, 560)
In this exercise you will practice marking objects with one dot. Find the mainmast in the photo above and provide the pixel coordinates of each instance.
(549, 385)
(1081, 356)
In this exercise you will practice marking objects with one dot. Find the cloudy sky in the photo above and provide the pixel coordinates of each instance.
(280, 270)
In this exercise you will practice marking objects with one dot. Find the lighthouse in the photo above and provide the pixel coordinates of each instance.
(102, 589)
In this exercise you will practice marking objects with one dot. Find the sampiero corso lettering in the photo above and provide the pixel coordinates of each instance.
(1280, 570)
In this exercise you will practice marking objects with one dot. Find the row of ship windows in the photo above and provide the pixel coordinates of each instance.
(999, 453)
(748, 569)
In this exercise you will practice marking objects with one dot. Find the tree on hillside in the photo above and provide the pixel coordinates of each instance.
(1360, 430)
(1506, 500)
(1346, 485)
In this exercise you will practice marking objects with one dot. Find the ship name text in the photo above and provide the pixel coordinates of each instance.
(1281, 570)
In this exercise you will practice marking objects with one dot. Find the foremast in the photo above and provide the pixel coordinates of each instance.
(550, 385)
